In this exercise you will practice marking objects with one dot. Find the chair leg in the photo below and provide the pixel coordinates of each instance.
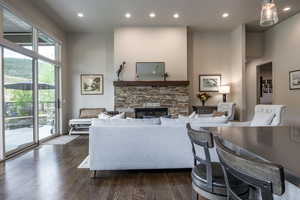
(194, 195)
(93, 174)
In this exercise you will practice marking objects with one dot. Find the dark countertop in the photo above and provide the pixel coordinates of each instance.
(279, 145)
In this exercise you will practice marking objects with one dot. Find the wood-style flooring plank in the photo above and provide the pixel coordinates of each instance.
(49, 172)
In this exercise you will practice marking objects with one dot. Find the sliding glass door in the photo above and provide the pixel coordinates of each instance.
(47, 100)
(30, 63)
(18, 100)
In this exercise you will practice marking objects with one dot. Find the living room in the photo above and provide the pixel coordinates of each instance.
(110, 95)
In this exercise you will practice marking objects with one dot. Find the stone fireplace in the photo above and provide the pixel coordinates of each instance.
(173, 95)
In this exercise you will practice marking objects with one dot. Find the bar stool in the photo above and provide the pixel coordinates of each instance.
(207, 177)
(267, 178)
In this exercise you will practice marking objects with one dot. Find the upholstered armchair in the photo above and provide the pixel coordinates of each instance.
(265, 115)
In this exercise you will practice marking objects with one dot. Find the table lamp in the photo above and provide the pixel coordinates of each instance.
(224, 89)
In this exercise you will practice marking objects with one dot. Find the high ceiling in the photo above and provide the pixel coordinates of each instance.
(104, 15)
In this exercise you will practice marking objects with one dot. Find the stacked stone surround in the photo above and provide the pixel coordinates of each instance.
(175, 98)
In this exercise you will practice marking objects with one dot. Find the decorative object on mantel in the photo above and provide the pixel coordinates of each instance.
(209, 83)
(294, 80)
(203, 97)
(225, 90)
(120, 69)
(91, 84)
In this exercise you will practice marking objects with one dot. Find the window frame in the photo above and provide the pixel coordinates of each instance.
(57, 62)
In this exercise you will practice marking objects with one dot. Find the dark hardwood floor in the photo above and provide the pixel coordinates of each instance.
(50, 172)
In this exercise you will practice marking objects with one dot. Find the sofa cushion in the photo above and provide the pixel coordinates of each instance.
(125, 122)
(262, 119)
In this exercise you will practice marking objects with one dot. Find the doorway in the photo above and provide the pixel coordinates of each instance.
(265, 83)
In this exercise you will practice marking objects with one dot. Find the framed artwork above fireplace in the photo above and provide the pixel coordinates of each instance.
(150, 71)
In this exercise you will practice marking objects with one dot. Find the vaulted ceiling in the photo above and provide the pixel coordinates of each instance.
(104, 15)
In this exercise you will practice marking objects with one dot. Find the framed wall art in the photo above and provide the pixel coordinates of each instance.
(209, 82)
(294, 78)
(91, 84)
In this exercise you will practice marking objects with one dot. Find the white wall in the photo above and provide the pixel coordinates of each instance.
(208, 54)
(90, 53)
(255, 45)
(238, 82)
(146, 44)
(282, 47)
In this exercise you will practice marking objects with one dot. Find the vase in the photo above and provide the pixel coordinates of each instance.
(203, 103)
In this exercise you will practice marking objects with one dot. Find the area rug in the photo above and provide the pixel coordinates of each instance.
(62, 139)
(85, 164)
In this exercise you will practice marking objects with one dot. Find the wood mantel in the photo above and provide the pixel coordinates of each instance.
(151, 83)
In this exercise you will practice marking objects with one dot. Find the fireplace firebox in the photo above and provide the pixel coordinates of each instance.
(150, 112)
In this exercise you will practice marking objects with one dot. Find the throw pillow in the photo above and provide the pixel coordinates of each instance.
(193, 115)
(119, 116)
(103, 116)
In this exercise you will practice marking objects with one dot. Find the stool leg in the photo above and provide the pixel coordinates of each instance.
(194, 195)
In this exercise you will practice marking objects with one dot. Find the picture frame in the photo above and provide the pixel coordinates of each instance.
(209, 82)
(150, 71)
(294, 80)
(91, 84)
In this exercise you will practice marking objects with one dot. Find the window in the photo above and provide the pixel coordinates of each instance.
(30, 84)
(16, 30)
(46, 46)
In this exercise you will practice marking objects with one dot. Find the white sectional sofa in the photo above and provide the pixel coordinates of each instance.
(141, 144)
(121, 144)
(139, 147)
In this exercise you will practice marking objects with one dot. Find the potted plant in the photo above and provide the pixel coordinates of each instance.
(203, 97)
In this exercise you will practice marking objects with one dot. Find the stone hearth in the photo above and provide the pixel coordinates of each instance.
(175, 98)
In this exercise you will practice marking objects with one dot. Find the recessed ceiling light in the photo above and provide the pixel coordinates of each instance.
(286, 9)
(80, 15)
(152, 15)
(127, 15)
(225, 15)
(176, 15)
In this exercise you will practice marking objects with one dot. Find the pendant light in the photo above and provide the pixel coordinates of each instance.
(269, 15)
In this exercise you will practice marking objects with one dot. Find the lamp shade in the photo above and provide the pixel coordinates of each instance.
(225, 89)
(269, 15)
